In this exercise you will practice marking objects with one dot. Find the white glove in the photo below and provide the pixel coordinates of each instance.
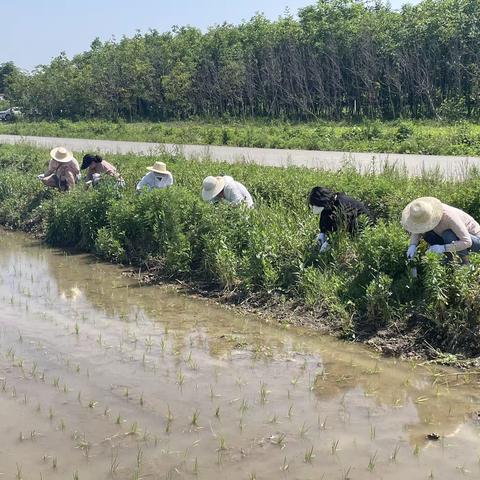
(321, 238)
(412, 249)
(41, 176)
(436, 249)
(325, 247)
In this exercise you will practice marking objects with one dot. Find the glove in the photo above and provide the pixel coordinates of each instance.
(321, 238)
(325, 247)
(412, 249)
(41, 176)
(436, 249)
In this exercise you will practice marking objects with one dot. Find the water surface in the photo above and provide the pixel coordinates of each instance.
(102, 377)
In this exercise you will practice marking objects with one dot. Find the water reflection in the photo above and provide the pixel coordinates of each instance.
(140, 350)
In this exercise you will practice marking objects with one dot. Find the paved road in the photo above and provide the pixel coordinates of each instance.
(454, 167)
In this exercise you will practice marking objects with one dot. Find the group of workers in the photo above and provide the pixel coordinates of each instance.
(447, 230)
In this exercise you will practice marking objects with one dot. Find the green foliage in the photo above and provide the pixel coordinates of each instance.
(359, 287)
(435, 138)
(350, 59)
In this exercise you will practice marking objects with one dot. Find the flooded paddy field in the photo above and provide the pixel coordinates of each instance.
(101, 378)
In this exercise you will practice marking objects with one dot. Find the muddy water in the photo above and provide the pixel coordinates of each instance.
(103, 378)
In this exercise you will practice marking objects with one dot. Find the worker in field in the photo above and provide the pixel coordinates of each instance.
(225, 188)
(63, 170)
(337, 210)
(446, 229)
(96, 167)
(157, 177)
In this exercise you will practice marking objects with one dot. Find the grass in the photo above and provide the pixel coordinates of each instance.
(400, 136)
(268, 255)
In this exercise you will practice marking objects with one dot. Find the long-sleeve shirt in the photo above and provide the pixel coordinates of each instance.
(460, 223)
(68, 172)
(102, 167)
(235, 192)
(155, 180)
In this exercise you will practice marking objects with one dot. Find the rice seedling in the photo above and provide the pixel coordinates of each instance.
(393, 456)
(303, 430)
(309, 455)
(285, 466)
(416, 450)
(18, 475)
(373, 432)
(346, 474)
(54, 463)
(141, 400)
(50, 413)
(263, 393)
(334, 447)
(290, 411)
(372, 462)
(217, 412)
(118, 420)
(194, 420)
(139, 459)
(62, 425)
(195, 467)
(75, 475)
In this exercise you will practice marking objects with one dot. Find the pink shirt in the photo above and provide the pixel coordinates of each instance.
(63, 171)
(460, 223)
(102, 167)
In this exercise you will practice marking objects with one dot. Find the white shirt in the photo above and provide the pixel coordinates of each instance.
(235, 192)
(155, 180)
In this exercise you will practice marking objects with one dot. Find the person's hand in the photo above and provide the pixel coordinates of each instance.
(412, 249)
(436, 249)
(321, 238)
(325, 247)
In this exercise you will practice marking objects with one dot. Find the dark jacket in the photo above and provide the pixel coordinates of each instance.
(340, 210)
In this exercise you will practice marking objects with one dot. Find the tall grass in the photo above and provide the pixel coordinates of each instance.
(462, 138)
(361, 288)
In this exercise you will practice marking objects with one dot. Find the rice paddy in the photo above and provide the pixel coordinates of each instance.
(101, 378)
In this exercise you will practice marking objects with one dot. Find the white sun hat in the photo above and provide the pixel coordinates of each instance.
(211, 187)
(422, 215)
(61, 154)
(159, 167)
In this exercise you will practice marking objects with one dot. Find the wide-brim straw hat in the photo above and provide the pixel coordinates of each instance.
(211, 187)
(159, 167)
(422, 215)
(61, 154)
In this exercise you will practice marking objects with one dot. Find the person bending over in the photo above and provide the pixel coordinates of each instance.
(446, 229)
(336, 210)
(216, 189)
(63, 171)
(158, 177)
(96, 166)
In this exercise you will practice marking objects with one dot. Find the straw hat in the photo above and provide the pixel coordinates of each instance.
(61, 154)
(211, 187)
(159, 167)
(422, 215)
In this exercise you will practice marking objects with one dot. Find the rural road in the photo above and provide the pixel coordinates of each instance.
(450, 166)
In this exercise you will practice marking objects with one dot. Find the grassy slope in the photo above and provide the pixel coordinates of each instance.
(361, 289)
(398, 137)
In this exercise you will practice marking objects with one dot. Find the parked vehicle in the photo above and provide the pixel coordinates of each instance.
(10, 114)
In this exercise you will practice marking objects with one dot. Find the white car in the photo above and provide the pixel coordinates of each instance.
(10, 114)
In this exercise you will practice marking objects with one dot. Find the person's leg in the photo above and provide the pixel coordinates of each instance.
(432, 238)
(449, 237)
(475, 243)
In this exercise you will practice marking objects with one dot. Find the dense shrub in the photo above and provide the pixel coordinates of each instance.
(359, 288)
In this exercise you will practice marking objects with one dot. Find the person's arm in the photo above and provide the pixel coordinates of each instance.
(52, 166)
(456, 225)
(415, 239)
(144, 182)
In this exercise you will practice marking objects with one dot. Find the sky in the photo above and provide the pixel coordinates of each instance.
(35, 31)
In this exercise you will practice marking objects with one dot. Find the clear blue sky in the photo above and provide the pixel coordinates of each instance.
(34, 31)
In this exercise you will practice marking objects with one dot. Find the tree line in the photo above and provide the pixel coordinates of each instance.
(337, 59)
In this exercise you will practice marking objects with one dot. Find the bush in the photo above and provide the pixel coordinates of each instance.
(360, 286)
